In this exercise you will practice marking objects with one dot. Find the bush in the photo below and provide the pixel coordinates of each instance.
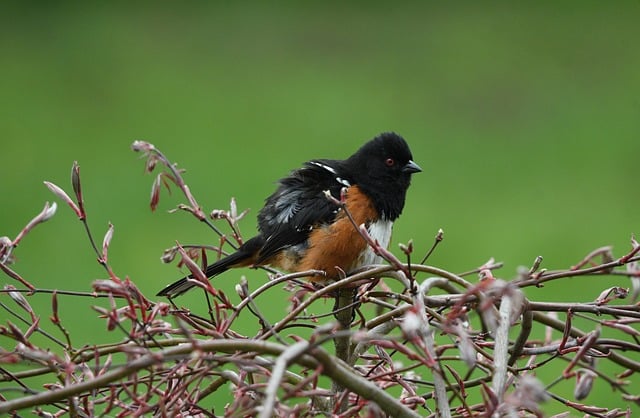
(393, 345)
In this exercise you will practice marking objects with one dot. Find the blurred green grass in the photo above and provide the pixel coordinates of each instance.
(525, 118)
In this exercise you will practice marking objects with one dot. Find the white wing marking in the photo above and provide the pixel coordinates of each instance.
(332, 170)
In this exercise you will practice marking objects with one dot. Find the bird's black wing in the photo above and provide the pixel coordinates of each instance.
(299, 205)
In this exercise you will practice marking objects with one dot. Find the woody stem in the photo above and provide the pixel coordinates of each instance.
(344, 311)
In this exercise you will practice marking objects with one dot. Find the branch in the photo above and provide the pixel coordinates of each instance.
(334, 369)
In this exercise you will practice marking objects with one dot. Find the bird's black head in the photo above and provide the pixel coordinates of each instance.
(382, 168)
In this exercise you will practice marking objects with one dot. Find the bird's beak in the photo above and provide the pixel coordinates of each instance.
(411, 168)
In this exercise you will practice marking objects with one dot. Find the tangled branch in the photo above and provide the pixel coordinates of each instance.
(421, 340)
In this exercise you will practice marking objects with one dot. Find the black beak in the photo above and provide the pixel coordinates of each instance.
(411, 168)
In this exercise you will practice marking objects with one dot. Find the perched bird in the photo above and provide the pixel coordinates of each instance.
(300, 228)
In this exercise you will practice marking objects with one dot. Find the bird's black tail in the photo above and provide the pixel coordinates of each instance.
(241, 257)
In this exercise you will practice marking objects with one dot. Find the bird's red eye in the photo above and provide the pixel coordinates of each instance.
(389, 162)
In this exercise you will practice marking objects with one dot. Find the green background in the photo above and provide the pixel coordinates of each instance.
(525, 118)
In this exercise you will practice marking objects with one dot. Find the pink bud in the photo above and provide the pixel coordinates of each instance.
(233, 208)
(143, 146)
(46, 214)
(610, 294)
(217, 214)
(155, 193)
(584, 383)
(199, 278)
(485, 274)
(75, 182)
(64, 196)
(49, 211)
(169, 255)
(5, 242)
(33, 353)
(6, 246)
(152, 161)
(54, 308)
(19, 299)
(106, 241)
(108, 286)
(18, 335)
(240, 291)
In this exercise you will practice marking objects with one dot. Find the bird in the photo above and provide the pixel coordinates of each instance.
(301, 228)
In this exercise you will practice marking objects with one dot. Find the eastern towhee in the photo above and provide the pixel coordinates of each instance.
(301, 229)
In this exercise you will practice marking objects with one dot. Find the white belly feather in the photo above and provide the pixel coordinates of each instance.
(380, 231)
